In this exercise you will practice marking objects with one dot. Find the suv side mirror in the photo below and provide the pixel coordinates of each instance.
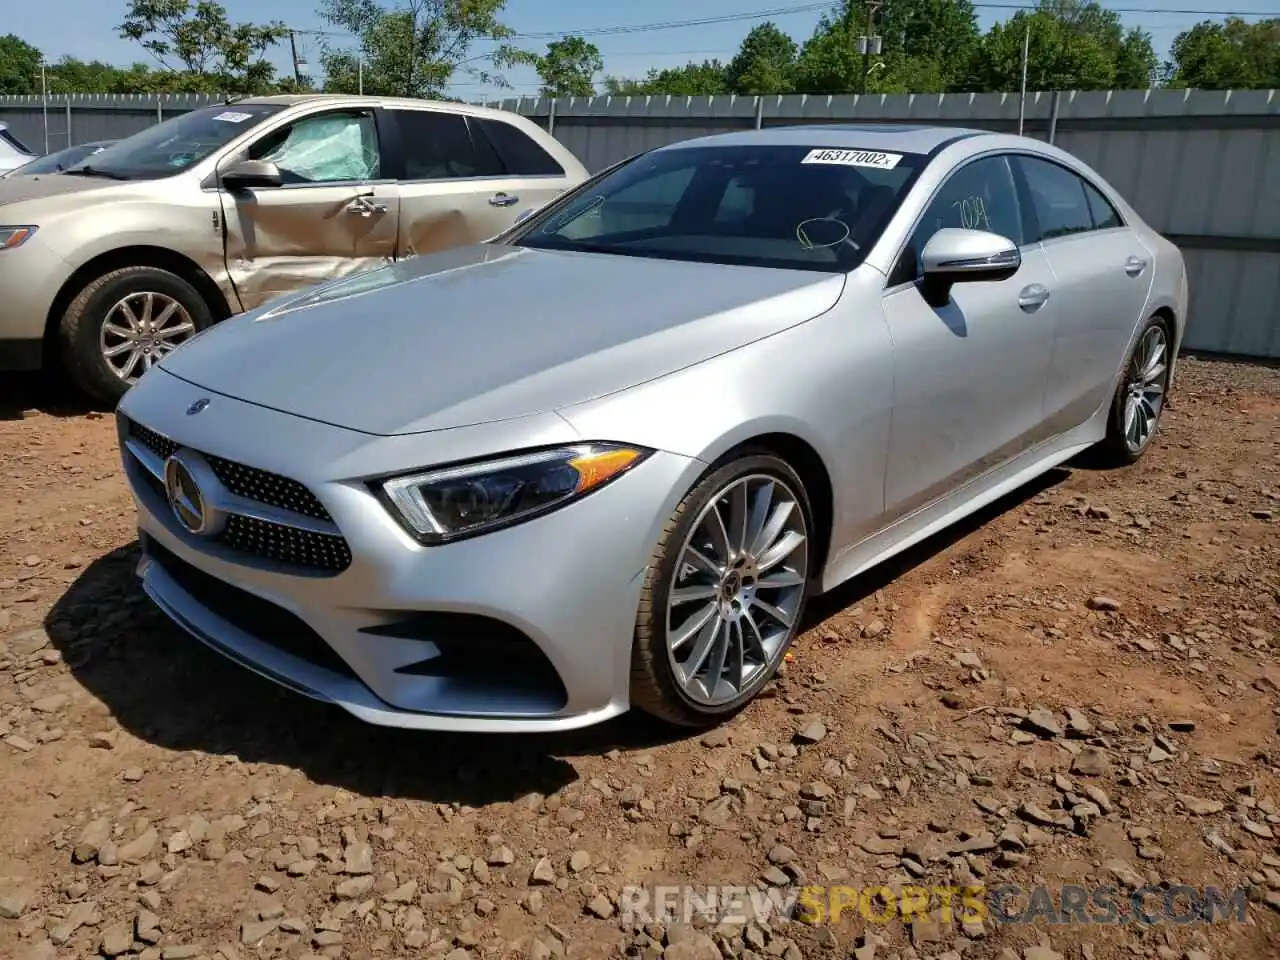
(956, 256)
(251, 173)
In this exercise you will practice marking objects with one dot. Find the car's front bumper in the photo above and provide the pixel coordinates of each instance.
(539, 617)
(30, 277)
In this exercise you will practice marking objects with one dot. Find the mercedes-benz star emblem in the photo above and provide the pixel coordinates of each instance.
(197, 406)
(187, 482)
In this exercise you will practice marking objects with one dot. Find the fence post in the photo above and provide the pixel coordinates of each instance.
(759, 112)
(159, 108)
(1053, 115)
(69, 120)
(551, 117)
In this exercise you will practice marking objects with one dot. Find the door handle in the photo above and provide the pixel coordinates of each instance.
(364, 207)
(503, 200)
(1134, 266)
(1033, 296)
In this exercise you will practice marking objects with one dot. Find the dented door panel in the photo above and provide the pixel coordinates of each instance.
(282, 239)
(438, 214)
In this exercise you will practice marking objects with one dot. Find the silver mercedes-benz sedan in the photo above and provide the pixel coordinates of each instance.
(602, 460)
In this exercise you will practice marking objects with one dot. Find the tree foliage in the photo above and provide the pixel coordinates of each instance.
(1232, 55)
(414, 48)
(19, 66)
(765, 63)
(704, 79)
(198, 41)
(569, 67)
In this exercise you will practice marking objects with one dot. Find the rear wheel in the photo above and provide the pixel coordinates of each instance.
(724, 593)
(1139, 399)
(123, 323)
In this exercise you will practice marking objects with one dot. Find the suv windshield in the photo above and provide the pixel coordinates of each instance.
(796, 207)
(172, 146)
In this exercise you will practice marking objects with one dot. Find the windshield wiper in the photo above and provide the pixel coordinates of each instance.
(88, 171)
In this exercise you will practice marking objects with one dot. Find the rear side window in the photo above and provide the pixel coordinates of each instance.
(439, 146)
(1057, 197)
(521, 155)
(1104, 214)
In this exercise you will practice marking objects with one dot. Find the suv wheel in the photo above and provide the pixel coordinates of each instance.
(122, 323)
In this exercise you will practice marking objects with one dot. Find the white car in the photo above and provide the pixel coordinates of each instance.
(13, 153)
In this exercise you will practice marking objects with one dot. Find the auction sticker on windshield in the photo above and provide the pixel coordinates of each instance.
(232, 117)
(854, 158)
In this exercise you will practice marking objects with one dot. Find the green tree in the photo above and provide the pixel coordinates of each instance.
(413, 49)
(1233, 55)
(569, 67)
(199, 41)
(19, 66)
(926, 47)
(1058, 58)
(765, 63)
(704, 79)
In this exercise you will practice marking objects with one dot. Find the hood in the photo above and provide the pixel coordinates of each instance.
(483, 333)
(75, 190)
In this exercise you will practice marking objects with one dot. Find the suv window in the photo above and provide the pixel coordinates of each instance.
(326, 148)
(979, 196)
(439, 146)
(1058, 198)
(520, 154)
(1103, 213)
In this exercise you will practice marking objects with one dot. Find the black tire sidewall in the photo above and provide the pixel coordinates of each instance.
(1119, 448)
(82, 325)
(665, 570)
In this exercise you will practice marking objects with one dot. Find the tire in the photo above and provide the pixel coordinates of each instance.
(656, 686)
(83, 334)
(1140, 378)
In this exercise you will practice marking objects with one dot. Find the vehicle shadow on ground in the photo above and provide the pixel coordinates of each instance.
(23, 393)
(168, 689)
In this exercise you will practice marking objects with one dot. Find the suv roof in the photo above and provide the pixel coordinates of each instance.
(335, 99)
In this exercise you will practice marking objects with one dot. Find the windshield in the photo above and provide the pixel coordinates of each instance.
(798, 207)
(173, 146)
(54, 162)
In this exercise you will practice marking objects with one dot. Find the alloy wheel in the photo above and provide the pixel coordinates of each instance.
(140, 330)
(1144, 391)
(738, 588)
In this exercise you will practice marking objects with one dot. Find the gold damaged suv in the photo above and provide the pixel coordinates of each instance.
(109, 265)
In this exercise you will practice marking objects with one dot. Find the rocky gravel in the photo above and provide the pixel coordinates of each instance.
(1077, 689)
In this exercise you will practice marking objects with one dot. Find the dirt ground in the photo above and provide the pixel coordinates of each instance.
(1080, 688)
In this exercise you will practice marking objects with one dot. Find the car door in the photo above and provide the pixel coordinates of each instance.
(334, 214)
(1104, 274)
(968, 377)
(466, 179)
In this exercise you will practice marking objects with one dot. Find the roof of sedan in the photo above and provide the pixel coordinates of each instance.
(903, 138)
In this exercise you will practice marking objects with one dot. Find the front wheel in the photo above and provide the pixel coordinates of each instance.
(1139, 400)
(123, 323)
(724, 593)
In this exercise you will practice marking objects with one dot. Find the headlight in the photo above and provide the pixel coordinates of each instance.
(11, 237)
(437, 506)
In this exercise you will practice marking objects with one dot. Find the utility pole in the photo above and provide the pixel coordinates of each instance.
(1022, 98)
(293, 50)
(868, 43)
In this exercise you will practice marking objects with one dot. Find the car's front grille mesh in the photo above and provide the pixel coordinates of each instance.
(283, 544)
(280, 542)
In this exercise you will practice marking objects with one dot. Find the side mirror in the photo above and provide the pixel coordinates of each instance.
(964, 256)
(251, 173)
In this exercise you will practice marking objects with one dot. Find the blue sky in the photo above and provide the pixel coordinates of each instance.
(86, 28)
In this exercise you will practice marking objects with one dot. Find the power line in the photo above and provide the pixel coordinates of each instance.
(812, 7)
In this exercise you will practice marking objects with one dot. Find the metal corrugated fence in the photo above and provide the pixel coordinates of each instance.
(1201, 166)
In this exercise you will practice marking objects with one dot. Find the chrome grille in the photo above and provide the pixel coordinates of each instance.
(310, 549)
